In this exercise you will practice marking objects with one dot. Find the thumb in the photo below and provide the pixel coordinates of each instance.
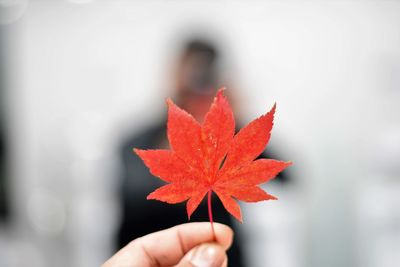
(205, 255)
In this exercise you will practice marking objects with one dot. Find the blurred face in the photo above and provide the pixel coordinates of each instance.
(197, 83)
(198, 73)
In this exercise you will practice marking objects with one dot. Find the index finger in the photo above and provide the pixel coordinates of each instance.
(168, 247)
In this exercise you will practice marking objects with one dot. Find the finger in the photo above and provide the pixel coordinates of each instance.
(210, 255)
(225, 263)
(168, 247)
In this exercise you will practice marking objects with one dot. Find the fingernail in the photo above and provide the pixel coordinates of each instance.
(205, 256)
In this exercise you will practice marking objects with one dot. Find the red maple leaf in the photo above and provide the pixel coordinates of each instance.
(211, 158)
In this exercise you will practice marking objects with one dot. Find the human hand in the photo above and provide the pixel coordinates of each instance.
(185, 245)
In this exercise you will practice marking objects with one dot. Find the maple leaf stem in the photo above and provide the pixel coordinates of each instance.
(210, 213)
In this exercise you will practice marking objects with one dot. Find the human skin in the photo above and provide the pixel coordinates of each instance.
(185, 245)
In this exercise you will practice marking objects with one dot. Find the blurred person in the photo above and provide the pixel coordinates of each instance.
(186, 245)
(196, 79)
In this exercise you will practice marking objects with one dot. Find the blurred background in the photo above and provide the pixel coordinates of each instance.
(80, 77)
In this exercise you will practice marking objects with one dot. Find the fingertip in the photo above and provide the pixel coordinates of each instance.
(225, 263)
(224, 235)
(208, 254)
